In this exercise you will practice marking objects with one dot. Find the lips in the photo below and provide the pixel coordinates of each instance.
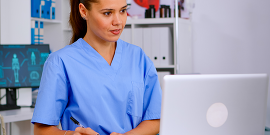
(116, 31)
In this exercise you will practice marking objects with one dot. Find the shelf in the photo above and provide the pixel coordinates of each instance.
(46, 20)
(68, 29)
(151, 21)
(156, 21)
(17, 114)
(164, 66)
(181, 20)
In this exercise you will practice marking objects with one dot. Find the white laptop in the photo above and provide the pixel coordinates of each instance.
(232, 104)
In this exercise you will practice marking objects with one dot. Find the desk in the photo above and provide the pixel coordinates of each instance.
(19, 120)
(22, 117)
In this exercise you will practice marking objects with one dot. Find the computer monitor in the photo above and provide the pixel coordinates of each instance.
(21, 66)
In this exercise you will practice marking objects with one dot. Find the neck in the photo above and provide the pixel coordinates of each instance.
(104, 48)
(100, 45)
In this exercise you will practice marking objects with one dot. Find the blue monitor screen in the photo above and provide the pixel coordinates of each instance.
(21, 66)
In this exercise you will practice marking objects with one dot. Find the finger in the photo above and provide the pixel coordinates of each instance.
(87, 131)
(76, 133)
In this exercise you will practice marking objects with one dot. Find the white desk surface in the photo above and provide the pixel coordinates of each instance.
(27, 113)
(15, 115)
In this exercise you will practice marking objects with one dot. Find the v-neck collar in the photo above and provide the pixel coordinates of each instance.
(110, 70)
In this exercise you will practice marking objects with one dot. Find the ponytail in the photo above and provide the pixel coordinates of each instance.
(77, 23)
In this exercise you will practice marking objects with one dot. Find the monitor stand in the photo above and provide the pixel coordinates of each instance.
(11, 97)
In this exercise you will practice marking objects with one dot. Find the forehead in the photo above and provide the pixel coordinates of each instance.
(111, 4)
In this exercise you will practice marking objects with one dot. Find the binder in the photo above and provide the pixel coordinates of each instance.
(166, 46)
(36, 35)
(161, 75)
(123, 35)
(138, 37)
(41, 32)
(48, 4)
(53, 5)
(147, 47)
(155, 42)
(126, 35)
(42, 9)
(35, 8)
(32, 32)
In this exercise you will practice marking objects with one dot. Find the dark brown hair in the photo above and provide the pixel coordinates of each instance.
(77, 23)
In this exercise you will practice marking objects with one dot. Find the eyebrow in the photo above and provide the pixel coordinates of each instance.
(113, 9)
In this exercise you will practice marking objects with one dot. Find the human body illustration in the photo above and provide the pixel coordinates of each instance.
(15, 67)
(33, 58)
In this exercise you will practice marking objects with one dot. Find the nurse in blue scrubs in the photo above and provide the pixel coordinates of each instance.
(110, 86)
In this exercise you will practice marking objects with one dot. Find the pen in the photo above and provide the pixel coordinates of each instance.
(76, 122)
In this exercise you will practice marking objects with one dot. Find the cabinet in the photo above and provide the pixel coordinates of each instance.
(15, 28)
(15, 24)
(182, 62)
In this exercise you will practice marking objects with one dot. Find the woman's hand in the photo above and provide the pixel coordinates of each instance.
(84, 131)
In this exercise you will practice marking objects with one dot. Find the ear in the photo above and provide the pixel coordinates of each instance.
(83, 11)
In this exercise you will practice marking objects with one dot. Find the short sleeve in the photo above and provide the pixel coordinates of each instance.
(152, 95)
(52, 95)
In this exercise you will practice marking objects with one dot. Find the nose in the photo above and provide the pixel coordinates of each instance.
(117, 20)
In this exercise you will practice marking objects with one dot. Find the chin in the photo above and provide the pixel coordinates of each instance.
(113, 39)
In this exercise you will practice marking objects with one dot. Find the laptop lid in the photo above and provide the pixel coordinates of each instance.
(228, 104)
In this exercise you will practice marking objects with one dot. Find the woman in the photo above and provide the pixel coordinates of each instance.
(108, 85)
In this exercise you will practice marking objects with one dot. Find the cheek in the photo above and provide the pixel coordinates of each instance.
(102, 24)
(124, 20)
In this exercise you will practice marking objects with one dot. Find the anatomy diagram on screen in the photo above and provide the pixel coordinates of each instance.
(33, 58)
(21, 66)
(15, 67)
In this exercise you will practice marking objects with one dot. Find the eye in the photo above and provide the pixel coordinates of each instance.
(124, 10)
(107, 13)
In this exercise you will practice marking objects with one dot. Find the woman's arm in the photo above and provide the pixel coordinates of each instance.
(147, 127)
(41, 129)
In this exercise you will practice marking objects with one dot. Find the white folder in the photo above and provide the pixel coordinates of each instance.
(155, 42)
(123, 35)
(147, 47)
(138, 37)
(126, 35)
(161, 74)
(166, 51)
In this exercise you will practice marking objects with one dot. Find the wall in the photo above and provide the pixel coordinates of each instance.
(232, 37)
(15, 16)
(15, 28)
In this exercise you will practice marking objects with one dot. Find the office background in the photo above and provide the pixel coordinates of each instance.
(232, 37)
(227, 36)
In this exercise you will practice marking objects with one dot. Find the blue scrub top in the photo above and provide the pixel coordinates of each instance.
(77, 81)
